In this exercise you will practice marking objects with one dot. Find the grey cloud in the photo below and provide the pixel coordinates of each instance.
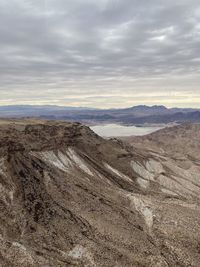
(50, 49)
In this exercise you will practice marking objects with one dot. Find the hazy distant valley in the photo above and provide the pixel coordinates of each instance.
(137, 115)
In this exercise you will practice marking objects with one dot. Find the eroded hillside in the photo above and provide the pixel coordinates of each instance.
(70, 198)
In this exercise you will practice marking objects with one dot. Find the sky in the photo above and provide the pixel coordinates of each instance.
(105, 53)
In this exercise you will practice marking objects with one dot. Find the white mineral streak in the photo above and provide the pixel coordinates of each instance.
(118, 173)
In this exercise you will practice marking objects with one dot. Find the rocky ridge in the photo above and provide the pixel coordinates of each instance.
(70, 198)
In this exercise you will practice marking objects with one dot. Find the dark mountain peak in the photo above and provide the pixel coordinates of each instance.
(157, 107)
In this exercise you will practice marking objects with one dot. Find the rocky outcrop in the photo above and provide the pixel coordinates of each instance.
(70, 198)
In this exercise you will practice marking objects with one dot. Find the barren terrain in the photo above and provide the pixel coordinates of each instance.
(71, 198)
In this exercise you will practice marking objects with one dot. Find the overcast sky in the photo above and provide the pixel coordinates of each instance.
(100, 53)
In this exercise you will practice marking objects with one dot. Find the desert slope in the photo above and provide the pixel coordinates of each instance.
(181, 139)
(70, 198)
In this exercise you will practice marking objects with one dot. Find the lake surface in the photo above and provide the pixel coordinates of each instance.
(113, 130)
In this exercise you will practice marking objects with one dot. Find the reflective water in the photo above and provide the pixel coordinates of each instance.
(111, 130)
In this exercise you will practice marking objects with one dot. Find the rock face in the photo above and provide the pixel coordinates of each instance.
(70, 198)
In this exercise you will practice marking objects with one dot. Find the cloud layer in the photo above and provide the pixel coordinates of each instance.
(106, 53)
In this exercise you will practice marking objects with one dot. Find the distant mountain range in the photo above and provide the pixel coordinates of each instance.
(134, 115)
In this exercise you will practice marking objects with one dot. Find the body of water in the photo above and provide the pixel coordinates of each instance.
(113, 130)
